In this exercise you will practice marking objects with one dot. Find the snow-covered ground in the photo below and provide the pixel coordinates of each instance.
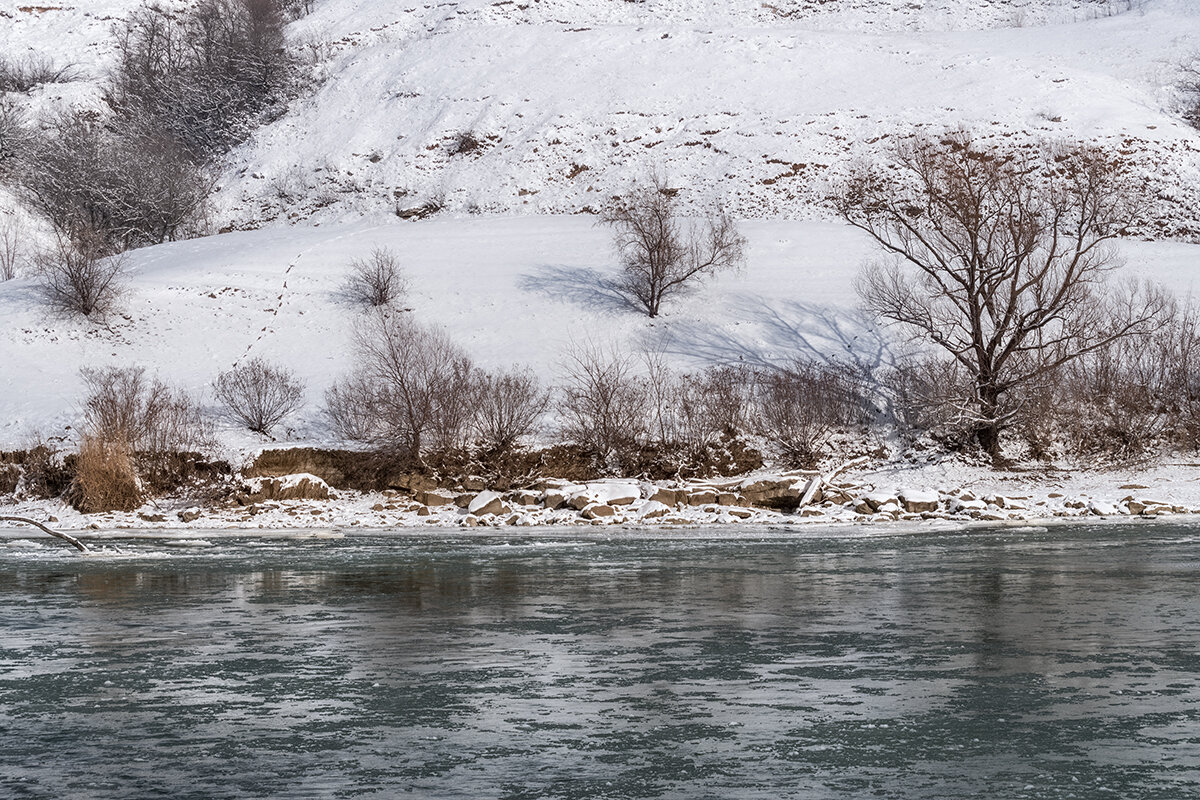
(512, 290)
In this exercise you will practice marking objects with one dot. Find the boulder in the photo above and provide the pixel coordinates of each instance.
(702, 498)
(473, 483)
(189, 515)
(300, 486)
(916, 502)
(434, 499)
(653, 509)
(487, 502)
(598, 511)
(668, 497)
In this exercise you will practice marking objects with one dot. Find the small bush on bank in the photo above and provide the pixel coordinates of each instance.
(106, 478)
(31, 71)
(259, 395)
(799, 408)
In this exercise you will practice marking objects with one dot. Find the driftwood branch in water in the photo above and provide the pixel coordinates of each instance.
(78, 545)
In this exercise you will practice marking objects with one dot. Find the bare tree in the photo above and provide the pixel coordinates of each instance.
(259, 395)
(376, 280)
(999, 259)
(80, 278)
(508, 407)
(409, 387)
(14, 133)
(662, 253)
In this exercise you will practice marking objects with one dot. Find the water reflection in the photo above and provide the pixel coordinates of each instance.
(1039, 665)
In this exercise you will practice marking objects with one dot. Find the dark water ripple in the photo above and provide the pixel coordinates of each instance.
(1034, 664)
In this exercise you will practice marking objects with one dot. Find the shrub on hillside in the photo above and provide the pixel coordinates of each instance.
(14, 134)
(79, 278)
(121, 184)
(508, 406)
(605, 406)
(31, 71)
(205, 76)
(259, 395)
(11, 250)
(376, 280)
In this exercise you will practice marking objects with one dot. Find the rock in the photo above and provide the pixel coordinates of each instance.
(598, 511)
(653, 509)
(412, 482)
(1075, 504)
(464, 500)
(423, 512)
(741, 513)
(434, 499)
(555, 499)
(300, 486)
(189, 515)
(863, 507)
(470, 522)
(377, 507)
(726, 498)
(473, 483)
(668, 497)
(1134, 486)
(916, 502)
(526, 498)
(1102, 509)
(152, 517)
(487, 502)
(702, 498)
(969, 505)
(877, 500)
(778, 493)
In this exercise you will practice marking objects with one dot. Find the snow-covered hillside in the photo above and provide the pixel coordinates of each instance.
(758, 105)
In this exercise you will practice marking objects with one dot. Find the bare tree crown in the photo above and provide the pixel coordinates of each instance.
(662, 253)
(999, 258)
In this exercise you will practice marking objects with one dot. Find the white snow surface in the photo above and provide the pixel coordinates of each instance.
(761, 106)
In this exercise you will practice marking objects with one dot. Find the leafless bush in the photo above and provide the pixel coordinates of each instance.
(80, 278)
(411, 387)
(295, 9)
(465, 142)
(11, 251)
(800, 407)
(663, 254)
(126, 185)
(605, 406)
(259, 395)
(154, 422)
(44, 474)
(14, 134)
(508, 406)
(33, 70)
(928, 394)
(205, 76)
(106, 477)
(376, 280)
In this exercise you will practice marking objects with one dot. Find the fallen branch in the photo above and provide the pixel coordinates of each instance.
(78, 545)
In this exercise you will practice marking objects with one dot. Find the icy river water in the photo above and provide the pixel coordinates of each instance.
(1061, 663)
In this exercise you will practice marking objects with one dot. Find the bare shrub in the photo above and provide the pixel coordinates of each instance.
(106, 478)
(410, 388)
(376, 280)
(11, 252)
(508, 406)
(465, 142)
(295, 9)
(931, 397)
(80, 278)
(663, 254)
(154, 422)
(259, 395)
(1000, 260)
(605, 406)
(205, 76)
(22, 75)
(125, 185)
(14, 134)
(800, 407)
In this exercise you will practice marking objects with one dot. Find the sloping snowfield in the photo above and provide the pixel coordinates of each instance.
(517, 290)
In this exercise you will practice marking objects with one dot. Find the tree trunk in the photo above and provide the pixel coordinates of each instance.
(987, 431)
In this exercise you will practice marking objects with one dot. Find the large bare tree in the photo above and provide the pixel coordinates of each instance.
(662, 252)
(999, 257)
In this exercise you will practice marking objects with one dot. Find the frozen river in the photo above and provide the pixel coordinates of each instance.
(1005, 663)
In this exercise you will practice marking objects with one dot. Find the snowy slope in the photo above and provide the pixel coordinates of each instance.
(519, 290)
(760, 106)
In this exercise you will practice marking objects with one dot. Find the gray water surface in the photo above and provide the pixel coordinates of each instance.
(1002, 664)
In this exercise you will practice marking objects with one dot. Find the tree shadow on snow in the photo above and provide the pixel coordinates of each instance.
(768, 333)
(581, 286)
